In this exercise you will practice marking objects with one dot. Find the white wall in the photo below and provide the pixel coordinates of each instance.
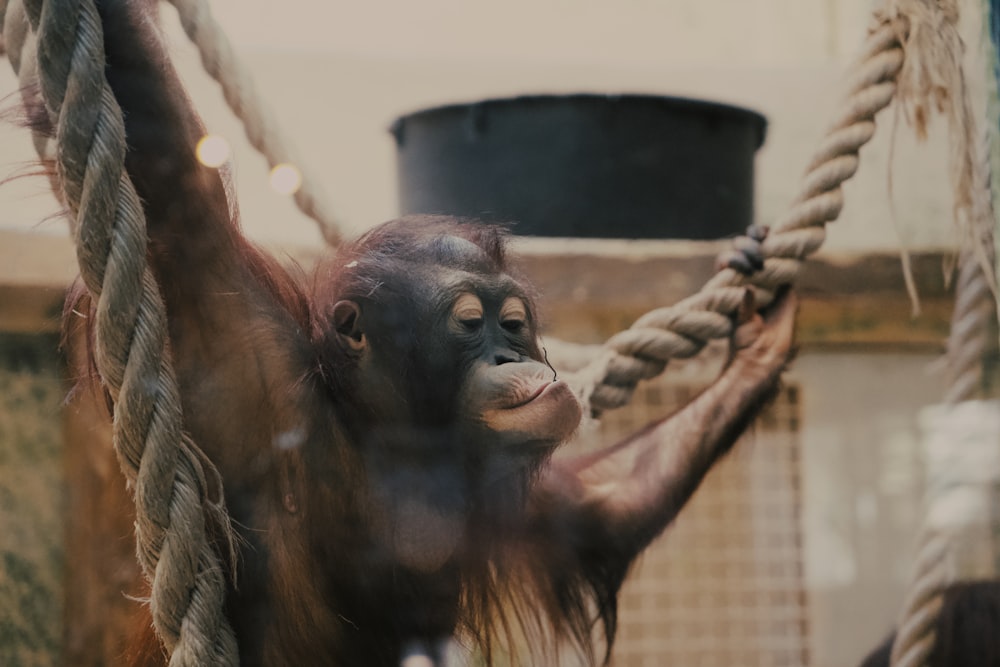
(337, 73)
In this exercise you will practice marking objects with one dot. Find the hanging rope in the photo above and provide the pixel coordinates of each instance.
(975, 304)
(928, 80)
(608, 377)
(131, 339)
(967, 345)
(958, 538)
(682, 330)
(166, 470)
(220, 61)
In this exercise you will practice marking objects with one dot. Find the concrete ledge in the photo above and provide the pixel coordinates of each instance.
(590, 289)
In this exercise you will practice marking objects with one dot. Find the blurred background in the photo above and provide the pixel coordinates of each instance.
(338, 73)
(798, 548)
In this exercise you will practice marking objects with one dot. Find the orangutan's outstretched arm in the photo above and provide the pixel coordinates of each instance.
(622, 497)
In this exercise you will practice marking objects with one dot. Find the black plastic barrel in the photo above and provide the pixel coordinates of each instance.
(622, 166)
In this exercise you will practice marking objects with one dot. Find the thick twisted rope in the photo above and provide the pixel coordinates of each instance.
(967, 344)
(970, 330)
(971, 319)
(682, 330)
(165, 469)
(917, 631)
(19, 44)
(222, 64)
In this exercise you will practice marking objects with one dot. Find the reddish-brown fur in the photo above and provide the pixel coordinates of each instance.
(320, 416)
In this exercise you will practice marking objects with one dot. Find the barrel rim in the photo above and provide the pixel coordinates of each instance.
(676, 102)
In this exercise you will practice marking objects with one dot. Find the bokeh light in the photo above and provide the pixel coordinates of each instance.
(213, 150)
(286, 179)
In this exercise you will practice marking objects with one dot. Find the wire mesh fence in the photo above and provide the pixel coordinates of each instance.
(724, 585)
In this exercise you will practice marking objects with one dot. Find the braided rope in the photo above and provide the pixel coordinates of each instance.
(970, 330)
(974, 302)
(3, 28)
(922, 607)
(165, 469)
(222, 64)
(20, 45)
(967, 343)
(682, 330)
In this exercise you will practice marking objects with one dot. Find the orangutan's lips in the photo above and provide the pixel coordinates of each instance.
(549, 414)
(535, 394)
